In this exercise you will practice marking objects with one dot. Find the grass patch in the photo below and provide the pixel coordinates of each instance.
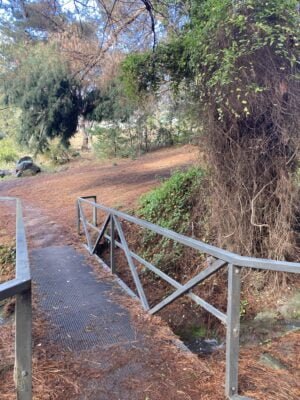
(8, 153)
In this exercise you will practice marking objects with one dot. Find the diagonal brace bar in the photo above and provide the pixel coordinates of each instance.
(189, 285)
(131, 265)
(101, 233)
(198, 300)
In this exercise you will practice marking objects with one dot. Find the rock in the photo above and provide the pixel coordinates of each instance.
(25, 158)
(4, 173)
(291, 308)
(266, 316)
(203, 346)
(26, 167)
(288, 309)
(269, 361)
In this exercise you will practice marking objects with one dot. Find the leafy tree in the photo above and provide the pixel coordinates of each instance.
(110, 104)
(42, 88)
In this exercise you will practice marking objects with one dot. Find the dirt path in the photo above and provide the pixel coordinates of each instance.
(117, 184)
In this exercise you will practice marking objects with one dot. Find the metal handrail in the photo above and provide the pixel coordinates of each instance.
(234, 261)
(242, 261)
(21, 288)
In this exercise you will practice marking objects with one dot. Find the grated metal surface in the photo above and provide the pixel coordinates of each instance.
(80, 308)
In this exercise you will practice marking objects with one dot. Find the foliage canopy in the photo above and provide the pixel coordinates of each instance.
(42, 88)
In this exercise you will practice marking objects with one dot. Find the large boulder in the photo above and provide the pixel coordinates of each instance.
(26, 167)
(25, 158)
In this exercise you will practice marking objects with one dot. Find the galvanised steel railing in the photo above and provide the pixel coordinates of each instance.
(221, 257)
(20, 287)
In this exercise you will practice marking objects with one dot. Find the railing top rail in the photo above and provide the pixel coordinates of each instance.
(8, 198)
(232, 258)
(22, 260)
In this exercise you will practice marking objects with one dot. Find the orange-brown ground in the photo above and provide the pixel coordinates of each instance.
(117, 184)
(169, 373)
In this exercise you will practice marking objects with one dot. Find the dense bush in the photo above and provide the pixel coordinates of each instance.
(109, 142)
(171, 206)
(57, 153)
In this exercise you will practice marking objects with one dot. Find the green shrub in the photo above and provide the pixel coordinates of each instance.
(170, 205)
(58, 153)
(8, 151)
(111, 142)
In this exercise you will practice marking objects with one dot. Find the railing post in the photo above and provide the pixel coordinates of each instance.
(78, 217)
(95, 212)
(112, 245)
(233, 330)
(23, 351)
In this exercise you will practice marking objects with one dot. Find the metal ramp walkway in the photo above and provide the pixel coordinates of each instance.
(87, 322)
(79, 307)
